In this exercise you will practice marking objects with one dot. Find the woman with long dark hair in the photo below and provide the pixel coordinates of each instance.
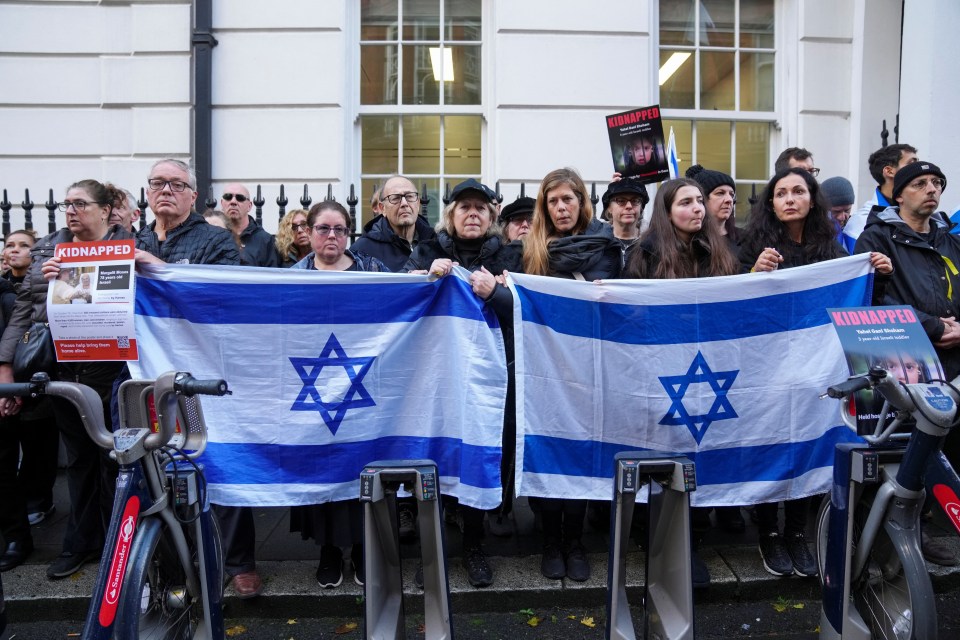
(790, 226)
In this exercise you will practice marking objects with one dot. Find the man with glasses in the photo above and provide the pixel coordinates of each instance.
(257, 248)
(392, 235)
(179, 234)
(796, 157)
(926, 258)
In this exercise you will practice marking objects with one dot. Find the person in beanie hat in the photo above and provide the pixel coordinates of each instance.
(623, 205)
(925, 257)
(516, 217)
(840, 198)
(720, 199)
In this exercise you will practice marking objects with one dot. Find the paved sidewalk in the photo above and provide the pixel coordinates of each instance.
(288, 564)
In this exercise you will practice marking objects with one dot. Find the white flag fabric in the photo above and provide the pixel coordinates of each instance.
(726, 370)
(673, 162)
(329, 372)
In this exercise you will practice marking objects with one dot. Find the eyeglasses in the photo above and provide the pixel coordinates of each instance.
(325, 229)
(227, 197)
(814, 171)
(409, 196)
(157, 184)
(622, 202)
(300, 226)
(921, 185)
(79, 205)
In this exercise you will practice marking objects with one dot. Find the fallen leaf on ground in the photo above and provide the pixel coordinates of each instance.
(588, 622)
(291, 621)
(345, 628)
(571, 617)
(534, 621)
(236, 630)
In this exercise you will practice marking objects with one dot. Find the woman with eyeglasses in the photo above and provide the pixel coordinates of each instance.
(333, 525)
(91, 474)
(293, 237)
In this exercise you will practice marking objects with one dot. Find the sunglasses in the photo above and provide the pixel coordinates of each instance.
(227, 197)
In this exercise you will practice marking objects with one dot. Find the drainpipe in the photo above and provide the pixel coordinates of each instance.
(203, 43)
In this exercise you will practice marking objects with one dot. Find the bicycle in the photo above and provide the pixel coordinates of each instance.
(874, 580)
(161, 574)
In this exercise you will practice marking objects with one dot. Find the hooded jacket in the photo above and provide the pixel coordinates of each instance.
(380, 241)
(922, 275)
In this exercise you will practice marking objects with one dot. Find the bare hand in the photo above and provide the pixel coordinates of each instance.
(483, 283)
(51, 269)
(768, 260)
(442, 266)
(616, 177)
(502, 278)
(881, 263)
(951, 334)
(145, 257)
(8, 406)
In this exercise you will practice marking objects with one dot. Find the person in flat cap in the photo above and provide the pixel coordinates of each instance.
(926, 257)
(516, 217)
(840, 198)
(623, 205)
(720, 200)
(468, 236)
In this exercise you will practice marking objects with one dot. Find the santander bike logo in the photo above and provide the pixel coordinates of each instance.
(950, 503)
(118, 564)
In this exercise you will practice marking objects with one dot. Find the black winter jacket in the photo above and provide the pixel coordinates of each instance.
(921, 276)
(379, 240)
(193, 242)
(257, 248)
(595, 254)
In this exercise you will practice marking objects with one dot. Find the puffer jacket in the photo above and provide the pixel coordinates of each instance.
(379, 240)
(31, 303)
(921, 277)
(194, 241)
(594, 254)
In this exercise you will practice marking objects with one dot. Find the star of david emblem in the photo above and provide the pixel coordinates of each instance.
(309, 370)
(677, 386)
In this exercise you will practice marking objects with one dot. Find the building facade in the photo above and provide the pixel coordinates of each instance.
(333, 93)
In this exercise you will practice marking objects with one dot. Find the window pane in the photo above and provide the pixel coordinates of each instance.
(461, 137)
(713, 145)
(676, 22)
(461, 20)
(756, 81)
(753, 149)
(378, 19)
(431, 186)
(716, 80)
(683, 135)
(756, 24)
(421, 20)
(717, 23)
(746, 191)
(676, 88)
(378, 74)
(463, 85)
(380, 135)
(421, 144)
(420, 86)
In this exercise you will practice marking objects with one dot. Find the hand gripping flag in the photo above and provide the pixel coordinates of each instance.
(330, 371)
(726, 370)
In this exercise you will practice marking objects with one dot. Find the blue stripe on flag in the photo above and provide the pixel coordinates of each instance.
(767, 462)
(708, 321)
(341, 462)
(305, 302)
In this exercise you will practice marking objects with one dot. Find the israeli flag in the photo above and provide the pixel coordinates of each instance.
(726, 370)
(330, 371)
(673, 161)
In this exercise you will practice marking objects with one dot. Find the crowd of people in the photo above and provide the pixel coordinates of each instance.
(690, 232)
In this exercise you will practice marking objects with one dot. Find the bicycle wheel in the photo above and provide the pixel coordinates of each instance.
(155, 604)
(823, 534)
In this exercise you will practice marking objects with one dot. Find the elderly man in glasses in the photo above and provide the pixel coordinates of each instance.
(926, 259)
(257, 248)
(392, 235)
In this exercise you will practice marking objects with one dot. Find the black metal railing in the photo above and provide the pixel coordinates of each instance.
(259, 203)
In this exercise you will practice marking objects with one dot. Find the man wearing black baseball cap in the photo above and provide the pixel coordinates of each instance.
(516, 217)
(926, 258)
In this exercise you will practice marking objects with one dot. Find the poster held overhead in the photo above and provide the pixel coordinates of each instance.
(636, 142)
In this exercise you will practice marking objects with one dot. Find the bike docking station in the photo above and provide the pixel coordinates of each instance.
(668, 587)
(383, 587)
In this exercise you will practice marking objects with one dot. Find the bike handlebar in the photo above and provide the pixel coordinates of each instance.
(187, 385)
(852, 385)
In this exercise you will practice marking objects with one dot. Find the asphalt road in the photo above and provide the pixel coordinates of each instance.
(774, 620)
